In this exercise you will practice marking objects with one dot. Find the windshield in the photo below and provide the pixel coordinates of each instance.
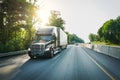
(43, 38)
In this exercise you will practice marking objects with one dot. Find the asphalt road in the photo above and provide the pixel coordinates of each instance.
(73, 63)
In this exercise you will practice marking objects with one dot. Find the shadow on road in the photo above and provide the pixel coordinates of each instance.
(33, 68)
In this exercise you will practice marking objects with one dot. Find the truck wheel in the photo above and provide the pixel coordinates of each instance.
(51, 52)
(65, 46)
(32, 57)
(29, 53)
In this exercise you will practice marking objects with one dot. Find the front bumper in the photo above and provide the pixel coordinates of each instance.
(38, 53)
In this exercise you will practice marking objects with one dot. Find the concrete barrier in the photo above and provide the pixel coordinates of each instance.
(101, 48)
(107, 50)
(13, 53)
(114, 52)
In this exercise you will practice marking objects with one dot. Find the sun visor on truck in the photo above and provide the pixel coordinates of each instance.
(45, 31)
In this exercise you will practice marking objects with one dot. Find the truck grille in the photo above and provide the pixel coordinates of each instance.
(37, 48)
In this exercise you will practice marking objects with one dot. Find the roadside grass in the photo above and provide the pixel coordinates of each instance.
(104, 43)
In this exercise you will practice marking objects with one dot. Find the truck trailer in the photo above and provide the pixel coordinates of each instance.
(49, 41)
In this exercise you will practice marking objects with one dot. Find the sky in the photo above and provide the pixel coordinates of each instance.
(82, 17)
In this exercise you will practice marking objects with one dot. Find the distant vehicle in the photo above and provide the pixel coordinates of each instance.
(77, 44)
(49, 40)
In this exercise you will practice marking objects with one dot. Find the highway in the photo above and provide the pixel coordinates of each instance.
(73, 63)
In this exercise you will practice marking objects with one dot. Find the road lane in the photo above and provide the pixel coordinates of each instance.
(103, 69)
(70, 64)
(109, 63)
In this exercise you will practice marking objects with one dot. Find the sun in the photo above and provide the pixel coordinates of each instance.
(43, 15)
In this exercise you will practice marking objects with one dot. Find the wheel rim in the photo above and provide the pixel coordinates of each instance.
(52, 52)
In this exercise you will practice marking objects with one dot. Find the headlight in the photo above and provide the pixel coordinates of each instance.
(47, 49)
(29, 49)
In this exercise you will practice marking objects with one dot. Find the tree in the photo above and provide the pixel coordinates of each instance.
(56, 20)
(93, 37)
(110, 31)
(73, 38)
(117, 31)
(100, 34)
(16, 24)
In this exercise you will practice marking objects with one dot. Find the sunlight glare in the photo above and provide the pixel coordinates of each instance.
(43, 14)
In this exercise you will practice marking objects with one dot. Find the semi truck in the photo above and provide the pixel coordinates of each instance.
(49, 41)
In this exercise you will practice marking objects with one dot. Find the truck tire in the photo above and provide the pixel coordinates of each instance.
(51, 52)
(29, 53)
(32, 57)
(66, 47)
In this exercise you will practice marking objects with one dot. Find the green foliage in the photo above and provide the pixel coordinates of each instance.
(16, 24)
(56, 20)
(110, 31)
(1, 47)
(73, 38)
(93, 37)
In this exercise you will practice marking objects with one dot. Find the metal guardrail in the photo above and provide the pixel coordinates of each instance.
(13, 53)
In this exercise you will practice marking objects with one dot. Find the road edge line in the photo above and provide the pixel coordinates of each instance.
(104, 70)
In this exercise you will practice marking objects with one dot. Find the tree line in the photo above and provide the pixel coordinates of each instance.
(16, 24)
(109, 32)
(73, 38)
